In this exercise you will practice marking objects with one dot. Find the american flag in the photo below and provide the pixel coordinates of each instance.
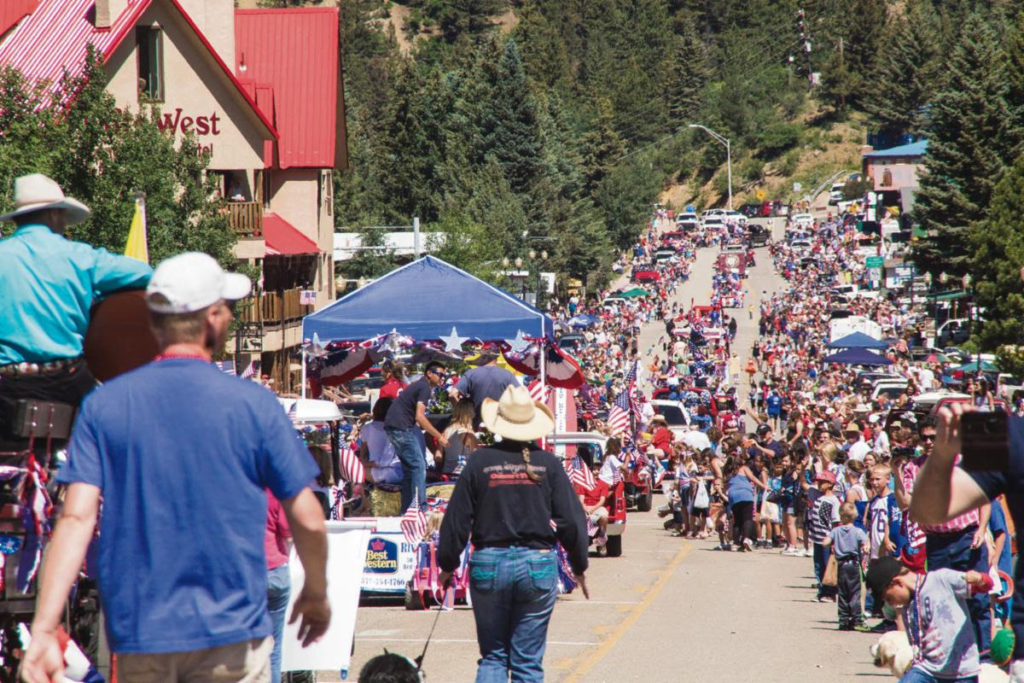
(414, 523)
(251, 370)
(579, 474)
(538, 392)
(351, 467)
(618, 416)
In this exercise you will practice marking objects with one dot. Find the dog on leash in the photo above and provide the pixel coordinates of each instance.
(893, 651)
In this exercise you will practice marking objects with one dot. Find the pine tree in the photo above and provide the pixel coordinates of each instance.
(848, 73)
(600, 147)
(687, 75)
(1014, 48)
(508, 124)
(997, 262)
(907, 73)
(971, 142)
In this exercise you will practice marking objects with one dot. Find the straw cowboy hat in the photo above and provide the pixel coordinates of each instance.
(517, 416)
(659, 418)
(37, 192)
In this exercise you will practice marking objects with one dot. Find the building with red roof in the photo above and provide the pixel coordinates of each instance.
(262, 92)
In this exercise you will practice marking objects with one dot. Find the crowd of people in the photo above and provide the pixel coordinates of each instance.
(812, 467)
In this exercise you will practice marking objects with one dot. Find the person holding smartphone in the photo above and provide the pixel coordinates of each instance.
(943, 490)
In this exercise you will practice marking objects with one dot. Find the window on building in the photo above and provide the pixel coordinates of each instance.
(151, 62)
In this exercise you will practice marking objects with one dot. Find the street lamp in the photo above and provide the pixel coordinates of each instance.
(728, 153)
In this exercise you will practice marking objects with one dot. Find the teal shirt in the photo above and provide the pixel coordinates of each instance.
(47, 285)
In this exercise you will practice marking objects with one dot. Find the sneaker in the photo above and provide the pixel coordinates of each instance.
(862, 628)
(806, 553)
(747, 545)
(883, 627)
(792, 552)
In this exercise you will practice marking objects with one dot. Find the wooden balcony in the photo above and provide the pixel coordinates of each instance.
(272, 308)
(246, 218)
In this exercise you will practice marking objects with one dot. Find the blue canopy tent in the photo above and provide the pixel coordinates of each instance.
(857, 357)
(858, 340)
(428, 300)
(425, 300)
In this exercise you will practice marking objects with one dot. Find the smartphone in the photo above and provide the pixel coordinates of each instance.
(985, 441)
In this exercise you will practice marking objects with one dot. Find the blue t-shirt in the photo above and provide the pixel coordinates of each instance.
(182, 454)
(997, 525)
(774, 404)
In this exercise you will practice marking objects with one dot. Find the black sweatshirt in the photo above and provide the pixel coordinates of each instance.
(502, 507)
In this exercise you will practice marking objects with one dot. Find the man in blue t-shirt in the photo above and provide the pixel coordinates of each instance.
(181, 455)
(487, 381)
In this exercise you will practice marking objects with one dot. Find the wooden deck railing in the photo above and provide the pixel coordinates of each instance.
(246, 218)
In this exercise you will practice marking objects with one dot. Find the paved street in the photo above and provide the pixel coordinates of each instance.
(668, 609)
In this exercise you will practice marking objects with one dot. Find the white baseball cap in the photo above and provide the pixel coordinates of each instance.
(192, 281)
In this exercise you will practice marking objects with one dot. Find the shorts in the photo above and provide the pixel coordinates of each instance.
(599, 514)
(244, 662)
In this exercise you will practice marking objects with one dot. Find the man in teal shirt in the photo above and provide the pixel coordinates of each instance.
(48, 284)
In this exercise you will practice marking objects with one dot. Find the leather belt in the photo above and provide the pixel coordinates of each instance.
(31, 368)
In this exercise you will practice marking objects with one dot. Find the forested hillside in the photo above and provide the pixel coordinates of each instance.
(556, 123)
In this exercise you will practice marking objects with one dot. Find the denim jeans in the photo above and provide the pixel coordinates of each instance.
(513, 591)
(953, 551)
(414, 467)
(278, 588)
(915, 675)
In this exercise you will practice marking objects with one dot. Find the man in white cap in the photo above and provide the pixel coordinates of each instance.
(181, 455)
(48, 284)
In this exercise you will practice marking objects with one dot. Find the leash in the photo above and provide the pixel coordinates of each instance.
(440, 608)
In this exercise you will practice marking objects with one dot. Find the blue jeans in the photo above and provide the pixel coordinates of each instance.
(409, 450)
(821, 555)
(915, 675)
(953, 551)
(513, 591)
(279, 585)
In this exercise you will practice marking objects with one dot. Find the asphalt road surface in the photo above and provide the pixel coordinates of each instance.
(667, 610)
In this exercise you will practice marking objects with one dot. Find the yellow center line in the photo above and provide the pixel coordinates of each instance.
(592, 659)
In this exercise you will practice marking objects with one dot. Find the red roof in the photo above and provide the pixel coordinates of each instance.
(294, 52)
(55, 36)
(281, 237)
(11, 12)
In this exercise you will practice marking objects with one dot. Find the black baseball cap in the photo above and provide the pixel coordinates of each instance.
(881, 572)
(763, 429)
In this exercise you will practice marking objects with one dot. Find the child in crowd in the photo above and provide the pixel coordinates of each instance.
(883, 515)
(850, 545)
(824, 516)
(936, 616)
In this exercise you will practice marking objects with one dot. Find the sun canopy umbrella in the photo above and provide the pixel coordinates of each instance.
(582, 321)
(973, 367)
(858, 340)
(635, 293)
(857, 357)
(563, 371)
(937, 358)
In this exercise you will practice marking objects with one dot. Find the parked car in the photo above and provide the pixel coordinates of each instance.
(646, 275)
(1011, 388)
(804, 220)
(952, 332)
(835, 195)
(758, 235)
(664, 255)
(751, 210)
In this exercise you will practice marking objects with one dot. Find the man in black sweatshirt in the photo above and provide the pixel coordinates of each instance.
(516, 501)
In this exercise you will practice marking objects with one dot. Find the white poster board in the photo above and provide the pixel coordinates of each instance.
(346, 549)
